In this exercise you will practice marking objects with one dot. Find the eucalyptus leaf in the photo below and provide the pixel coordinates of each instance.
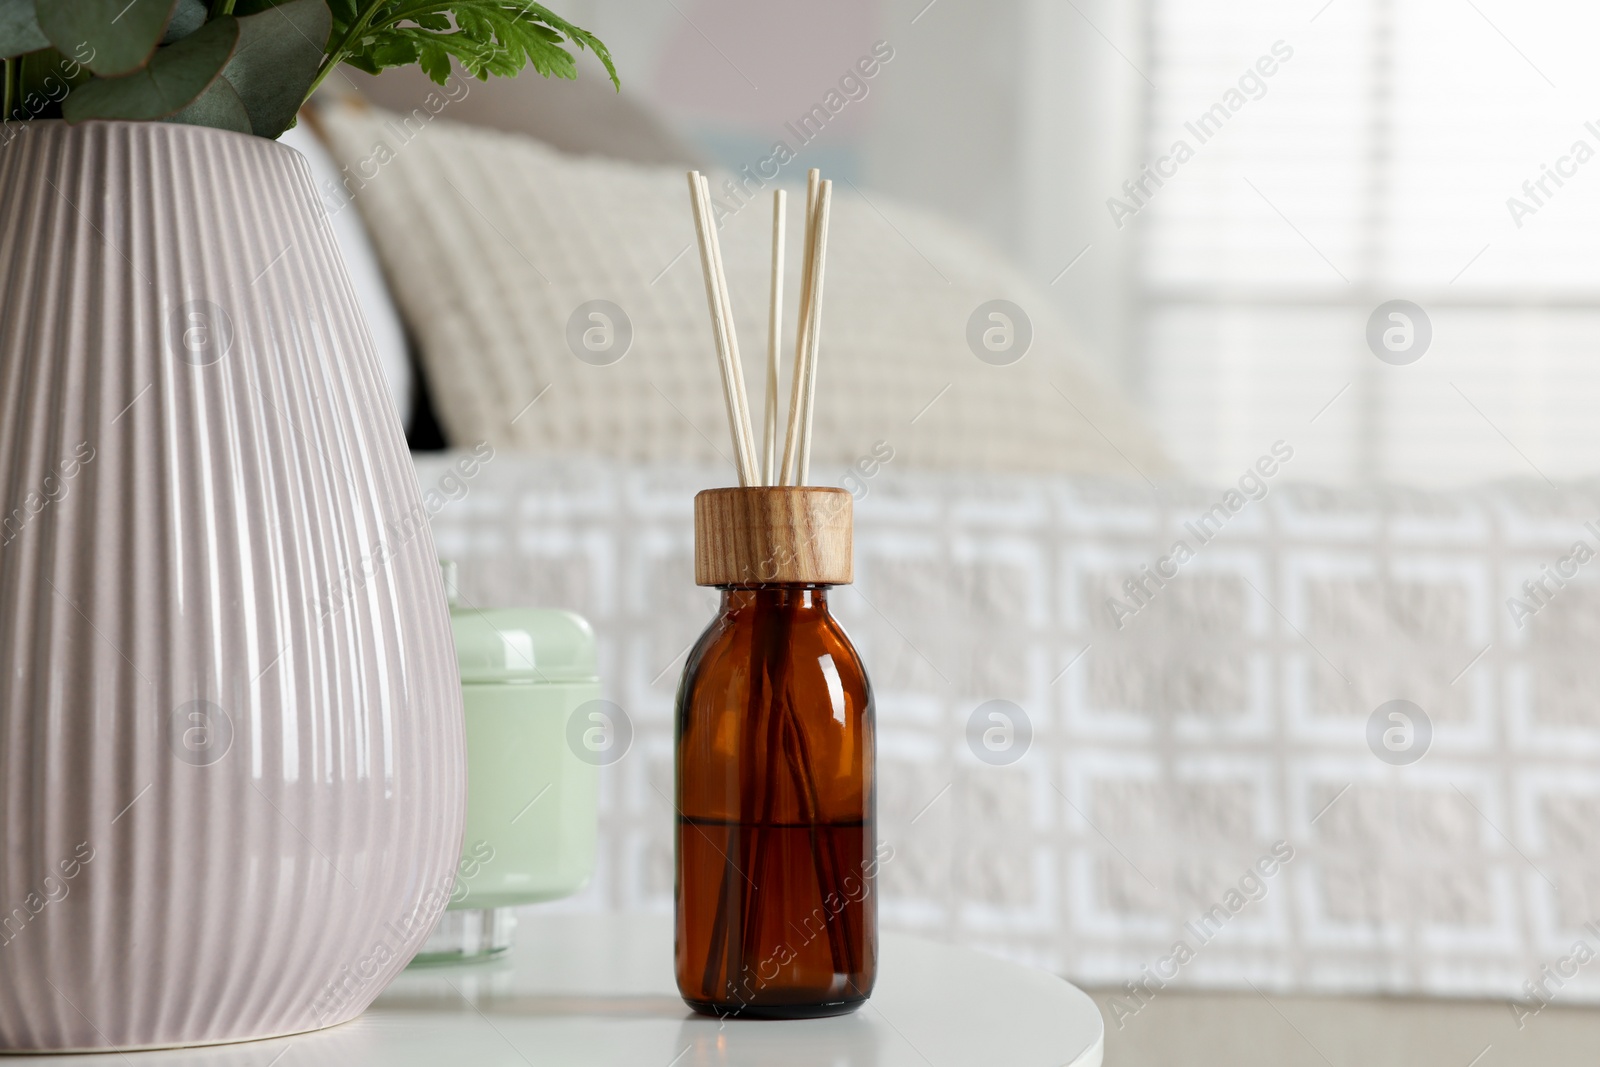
(114, 37)
(19, 29)
(176, 76)
(162, 59)
(44, 79)
(189, 16)
(280, 51)
(218, 107)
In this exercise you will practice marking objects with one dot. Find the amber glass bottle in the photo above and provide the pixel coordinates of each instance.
(776, 832)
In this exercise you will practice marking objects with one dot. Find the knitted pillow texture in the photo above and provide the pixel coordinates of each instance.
(559, 308)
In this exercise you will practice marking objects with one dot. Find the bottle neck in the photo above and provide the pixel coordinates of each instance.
(796, 598)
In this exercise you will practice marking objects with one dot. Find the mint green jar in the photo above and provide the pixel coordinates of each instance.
(532, 790)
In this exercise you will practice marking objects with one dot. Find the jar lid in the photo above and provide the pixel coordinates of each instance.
(526, 645)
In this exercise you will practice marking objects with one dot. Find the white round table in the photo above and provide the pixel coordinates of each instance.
(598, 990)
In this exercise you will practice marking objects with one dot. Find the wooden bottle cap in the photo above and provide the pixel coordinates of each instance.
(773, 534)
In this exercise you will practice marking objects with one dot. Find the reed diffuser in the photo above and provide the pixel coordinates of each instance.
(776, 828)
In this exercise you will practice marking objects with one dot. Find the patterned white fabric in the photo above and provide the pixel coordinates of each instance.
(494, 243)
(1168, 757)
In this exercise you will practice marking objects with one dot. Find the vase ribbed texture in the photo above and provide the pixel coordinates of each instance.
(232, 773)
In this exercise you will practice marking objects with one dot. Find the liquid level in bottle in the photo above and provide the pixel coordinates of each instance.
(776, 919)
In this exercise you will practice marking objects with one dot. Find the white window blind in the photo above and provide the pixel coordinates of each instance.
(1375, 163)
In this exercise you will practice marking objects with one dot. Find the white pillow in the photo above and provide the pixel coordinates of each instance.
(366, 276)
(499, 246)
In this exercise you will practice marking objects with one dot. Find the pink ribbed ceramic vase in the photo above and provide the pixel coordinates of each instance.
(232, 772)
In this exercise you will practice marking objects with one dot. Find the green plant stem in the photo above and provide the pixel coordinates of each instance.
(221, 7)
(337, 52)
(12, 69)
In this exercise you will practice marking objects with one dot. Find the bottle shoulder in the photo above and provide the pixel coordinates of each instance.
(815, 646)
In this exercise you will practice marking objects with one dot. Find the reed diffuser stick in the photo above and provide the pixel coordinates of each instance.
(791, 441)
(722, 331)
(813, 329)
(769, 429)
(741, 396)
